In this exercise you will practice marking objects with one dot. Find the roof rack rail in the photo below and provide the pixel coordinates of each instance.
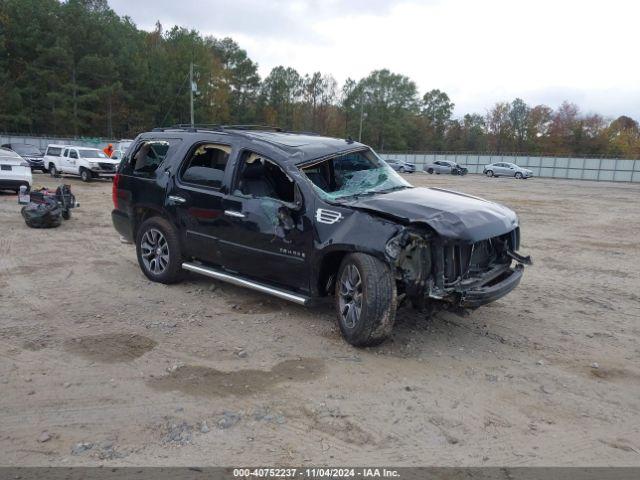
(253, 127)
(189, 128)
(303, 132)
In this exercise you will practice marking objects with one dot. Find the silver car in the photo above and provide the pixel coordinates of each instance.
(504, 169)
(401, 166)
(445, 166)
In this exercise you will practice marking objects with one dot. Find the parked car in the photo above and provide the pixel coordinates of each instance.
(14, 171)
(401, 166)
(303, 217)
(445, 166)
(120, 148)
(88, 163)
(30, 153)
(504, 169)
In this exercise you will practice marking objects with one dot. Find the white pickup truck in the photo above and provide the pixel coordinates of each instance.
(88, 163)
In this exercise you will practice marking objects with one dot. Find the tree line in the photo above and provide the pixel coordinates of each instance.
(78, 68)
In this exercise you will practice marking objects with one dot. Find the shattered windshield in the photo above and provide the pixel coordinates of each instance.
(353, 174)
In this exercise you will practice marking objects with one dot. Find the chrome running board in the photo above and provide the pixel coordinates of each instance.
(242, 282)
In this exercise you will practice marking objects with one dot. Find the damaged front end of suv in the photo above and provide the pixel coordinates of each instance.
(445, 249)
(435, 271)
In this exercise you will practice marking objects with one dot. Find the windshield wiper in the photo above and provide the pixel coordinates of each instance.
(391, 189)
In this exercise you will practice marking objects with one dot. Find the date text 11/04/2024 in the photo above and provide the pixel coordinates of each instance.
(315, 473)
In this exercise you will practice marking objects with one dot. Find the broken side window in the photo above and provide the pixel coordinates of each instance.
(148, 156)
(206, 165)
(353, 174)
(259, 177)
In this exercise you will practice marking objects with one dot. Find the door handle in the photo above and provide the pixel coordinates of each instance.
(175, 199)
(233, 213)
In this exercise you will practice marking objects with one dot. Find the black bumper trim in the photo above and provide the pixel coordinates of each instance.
(486, 294)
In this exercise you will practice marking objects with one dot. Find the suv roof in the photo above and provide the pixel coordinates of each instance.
(298, 147)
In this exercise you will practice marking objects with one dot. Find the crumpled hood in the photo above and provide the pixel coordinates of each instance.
(451, 214)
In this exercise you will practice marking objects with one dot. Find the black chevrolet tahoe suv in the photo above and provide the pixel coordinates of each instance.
(301, 217)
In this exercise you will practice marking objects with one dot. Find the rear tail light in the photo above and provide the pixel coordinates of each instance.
(114, 191)
(24, 164)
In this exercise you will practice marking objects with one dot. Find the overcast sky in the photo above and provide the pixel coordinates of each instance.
(479, 52)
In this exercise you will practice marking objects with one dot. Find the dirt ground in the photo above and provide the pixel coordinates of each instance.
(99, 366)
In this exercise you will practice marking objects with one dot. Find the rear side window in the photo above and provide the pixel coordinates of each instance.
(148, 156)
(54, 151)
(206, 165)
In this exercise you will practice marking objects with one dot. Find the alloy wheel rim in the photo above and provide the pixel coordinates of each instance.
(350, 296)
(155, 251)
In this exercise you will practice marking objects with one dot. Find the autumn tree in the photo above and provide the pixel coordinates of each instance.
(437, 109)
(499, 127)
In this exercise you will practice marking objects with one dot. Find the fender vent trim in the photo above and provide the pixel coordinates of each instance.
(328, 216)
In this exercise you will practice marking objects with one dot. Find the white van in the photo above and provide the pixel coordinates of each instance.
(88, 163)
(14, 171)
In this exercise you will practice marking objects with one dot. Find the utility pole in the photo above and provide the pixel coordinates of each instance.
(361, 115)
(191, 90)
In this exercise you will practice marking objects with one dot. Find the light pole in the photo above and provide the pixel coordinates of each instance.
(191, 91)
(361, 115)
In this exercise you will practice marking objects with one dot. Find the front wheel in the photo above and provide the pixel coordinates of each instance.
(158, 250)
(365, 300)
(489, 173)
(85, 175)
(53, 171)
(518, 175)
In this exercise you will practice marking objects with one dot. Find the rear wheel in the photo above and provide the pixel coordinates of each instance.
(365, 300)
(85, 175)
(158, 250)
(489, 173)
(401, 169)
(430, 170)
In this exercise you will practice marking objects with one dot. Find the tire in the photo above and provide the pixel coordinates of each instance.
(66, 214)
(372, 322)
(489, 173)
(53, 171)
(430, 170)
(148, 242)
(85, 175)
(401, 170)
(518, 175)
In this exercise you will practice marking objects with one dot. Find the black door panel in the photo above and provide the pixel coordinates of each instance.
(265, 239)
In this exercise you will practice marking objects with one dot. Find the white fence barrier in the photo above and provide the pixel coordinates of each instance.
(42, 141)
(603, 169)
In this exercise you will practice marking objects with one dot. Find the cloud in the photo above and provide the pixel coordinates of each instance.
(478, 52)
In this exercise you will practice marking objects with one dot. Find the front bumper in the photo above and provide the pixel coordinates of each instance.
(35, 163)
(491, 289)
